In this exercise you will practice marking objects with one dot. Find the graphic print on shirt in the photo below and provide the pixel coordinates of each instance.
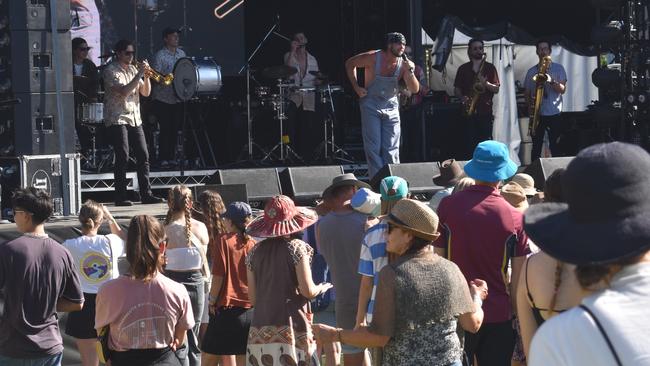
(95, 267)
(144, 325)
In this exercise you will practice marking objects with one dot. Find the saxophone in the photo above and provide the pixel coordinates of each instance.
(477, 89)
(540, 78)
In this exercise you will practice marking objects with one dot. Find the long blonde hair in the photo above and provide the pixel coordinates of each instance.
(212, 208)
(179, 199)
(90, 214)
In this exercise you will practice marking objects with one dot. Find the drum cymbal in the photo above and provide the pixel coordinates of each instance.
(319, 75)
(279, 72)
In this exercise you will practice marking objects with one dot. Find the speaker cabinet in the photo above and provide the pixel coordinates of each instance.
(540, 169)
(261, 184)
(418, 175)
(306, 184)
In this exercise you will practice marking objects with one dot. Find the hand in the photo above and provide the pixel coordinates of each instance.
(482, 79)
(324, 333)
(410, 64)
(361, 92)
(549, 79)
(360, 325)
(324, 287)
(175, 344)
(478, 287)
(212, 308)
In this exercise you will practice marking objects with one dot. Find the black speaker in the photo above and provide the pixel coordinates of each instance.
(36, 14)
(305, 184)
(32, 61)
(540, 169)
(418, 175)
(229, 192)
(261, 184)
(36, 124)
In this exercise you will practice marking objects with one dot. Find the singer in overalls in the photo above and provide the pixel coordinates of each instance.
(380, 121)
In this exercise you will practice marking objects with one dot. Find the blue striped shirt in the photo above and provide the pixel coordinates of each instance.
(373, 258)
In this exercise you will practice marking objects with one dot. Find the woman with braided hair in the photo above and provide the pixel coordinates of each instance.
(186, 257)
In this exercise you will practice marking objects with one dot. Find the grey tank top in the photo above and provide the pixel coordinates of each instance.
(384, 87)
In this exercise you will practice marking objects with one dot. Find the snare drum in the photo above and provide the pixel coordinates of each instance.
(196, 77)
(92, 113)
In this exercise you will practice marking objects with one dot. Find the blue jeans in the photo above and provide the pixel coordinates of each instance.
(380, 129)
(194, 283)
(54, 360)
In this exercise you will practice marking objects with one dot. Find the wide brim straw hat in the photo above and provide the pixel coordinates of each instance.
(416, 217)
(281, 218)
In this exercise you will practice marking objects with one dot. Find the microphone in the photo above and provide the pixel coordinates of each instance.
(406, 60)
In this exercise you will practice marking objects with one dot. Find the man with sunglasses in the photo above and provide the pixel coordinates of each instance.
(124, 82)
(86, 83)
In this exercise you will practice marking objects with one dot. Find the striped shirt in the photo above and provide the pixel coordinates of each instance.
(373, 258)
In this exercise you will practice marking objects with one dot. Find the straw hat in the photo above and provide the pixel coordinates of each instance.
(515, 195)
(415, 217)
(281, 217)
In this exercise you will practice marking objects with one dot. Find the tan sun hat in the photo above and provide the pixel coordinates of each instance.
(526, 182)
(415, 217)
(515, 195)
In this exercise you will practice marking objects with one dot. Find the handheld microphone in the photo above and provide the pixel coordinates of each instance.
(406, 60)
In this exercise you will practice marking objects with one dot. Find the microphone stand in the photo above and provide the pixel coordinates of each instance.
(247, 67)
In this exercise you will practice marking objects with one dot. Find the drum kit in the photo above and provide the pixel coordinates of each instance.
(277, 98)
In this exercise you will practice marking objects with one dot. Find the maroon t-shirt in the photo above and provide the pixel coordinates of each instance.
(465, 78)
(34, 273)
(481, 233)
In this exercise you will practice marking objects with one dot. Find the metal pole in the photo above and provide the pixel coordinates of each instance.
(65, 174)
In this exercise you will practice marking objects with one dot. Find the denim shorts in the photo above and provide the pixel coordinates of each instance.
(54, 360)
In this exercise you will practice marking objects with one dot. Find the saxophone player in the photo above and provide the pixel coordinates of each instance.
(476, 83)
(553, 84)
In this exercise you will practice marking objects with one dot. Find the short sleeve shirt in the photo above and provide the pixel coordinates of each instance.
(465, 78)
(373, 258)
(164, 61)
(96, 259)
(140, 314)
(482, 233)
(228, 261)
(552, 101)
(118, 109)
(35, 271)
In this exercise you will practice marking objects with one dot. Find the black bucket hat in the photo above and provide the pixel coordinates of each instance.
(607, 214)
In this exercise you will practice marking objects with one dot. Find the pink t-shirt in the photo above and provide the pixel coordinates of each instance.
(142, 315)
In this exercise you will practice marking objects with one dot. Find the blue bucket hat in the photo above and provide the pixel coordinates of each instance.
(491, 162)
(237, 212)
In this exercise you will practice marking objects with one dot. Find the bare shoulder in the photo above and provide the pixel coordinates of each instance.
(364, 58)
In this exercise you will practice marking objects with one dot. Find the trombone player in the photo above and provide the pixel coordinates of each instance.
(167, 106)
(552, 85)
(123, 84)
(476, 83)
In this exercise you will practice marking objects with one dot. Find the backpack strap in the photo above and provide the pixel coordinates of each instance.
(602, 331)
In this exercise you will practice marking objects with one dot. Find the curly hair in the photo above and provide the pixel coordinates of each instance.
(179, 199)
(143, 247)
(212, 207)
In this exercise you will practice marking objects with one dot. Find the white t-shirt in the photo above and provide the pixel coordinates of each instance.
(96, 259)
(572, 338)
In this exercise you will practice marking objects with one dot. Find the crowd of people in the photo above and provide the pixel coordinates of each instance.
(489, 272)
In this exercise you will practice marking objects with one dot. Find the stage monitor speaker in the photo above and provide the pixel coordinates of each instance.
(36, 124)
(418, 175)
(540, 169)
(36, 14)
(229, 192)
(305, 184)
(261, 184)
(32, 62)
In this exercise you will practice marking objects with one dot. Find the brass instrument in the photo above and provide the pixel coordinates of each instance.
(477, 89)
(540, 78)
(156, 75)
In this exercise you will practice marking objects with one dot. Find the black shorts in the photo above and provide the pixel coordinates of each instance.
(227, 332)
(81, 324)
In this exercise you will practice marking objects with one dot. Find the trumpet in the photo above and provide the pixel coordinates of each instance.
(156, 75)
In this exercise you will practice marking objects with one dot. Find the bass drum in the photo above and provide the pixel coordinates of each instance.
(196, 77)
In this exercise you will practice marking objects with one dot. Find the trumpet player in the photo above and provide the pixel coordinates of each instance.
(166, 104)
(553, 83)
(476, 83)
(123, 84)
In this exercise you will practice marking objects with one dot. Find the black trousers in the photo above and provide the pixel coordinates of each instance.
(305, 132)
(492, 345)
(478, 129)
(413, 134)
(555, 127)
(123, 137)
(170, 120)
